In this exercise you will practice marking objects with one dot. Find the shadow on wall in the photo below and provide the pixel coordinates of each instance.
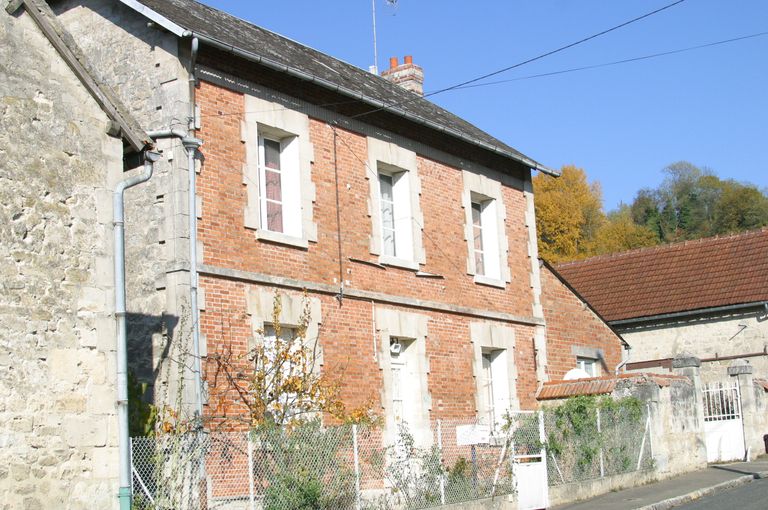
(151, 349)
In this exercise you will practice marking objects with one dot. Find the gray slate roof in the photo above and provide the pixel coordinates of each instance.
(210, 23)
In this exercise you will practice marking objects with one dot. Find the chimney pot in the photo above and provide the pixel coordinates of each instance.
(392, 62)
(409, 59)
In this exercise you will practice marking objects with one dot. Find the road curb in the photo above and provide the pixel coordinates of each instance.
(706, 491)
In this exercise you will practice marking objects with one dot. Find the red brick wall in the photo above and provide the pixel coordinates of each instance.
(346, 333)
(571, 323)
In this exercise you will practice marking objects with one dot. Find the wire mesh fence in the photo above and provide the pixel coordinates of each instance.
(372, 468)
(597, 443)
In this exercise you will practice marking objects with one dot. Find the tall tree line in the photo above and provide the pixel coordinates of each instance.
(689, 204)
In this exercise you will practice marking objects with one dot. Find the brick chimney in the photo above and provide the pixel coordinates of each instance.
(408, 75)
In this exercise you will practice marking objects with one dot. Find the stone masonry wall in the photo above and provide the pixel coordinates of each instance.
(731, 335)
(58, 432)
(143, 65)
(571, 324)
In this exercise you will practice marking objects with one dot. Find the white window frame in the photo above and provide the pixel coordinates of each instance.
(390, 159)
(589, 365)
(487, 192)
(586, 354)
(267, 120)
(495, 380)
(487, 337)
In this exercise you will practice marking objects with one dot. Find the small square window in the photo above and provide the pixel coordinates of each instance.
(589, 365)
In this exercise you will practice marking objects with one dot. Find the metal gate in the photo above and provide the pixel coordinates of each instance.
(529, 462)
(723, 426)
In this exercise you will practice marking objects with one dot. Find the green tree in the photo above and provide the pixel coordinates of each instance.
(692, 203)
(740, 207)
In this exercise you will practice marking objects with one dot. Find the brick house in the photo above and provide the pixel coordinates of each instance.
(410, 231)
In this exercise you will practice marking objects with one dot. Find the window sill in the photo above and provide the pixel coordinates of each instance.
(388, 260)
(491, 282)
(280, 238)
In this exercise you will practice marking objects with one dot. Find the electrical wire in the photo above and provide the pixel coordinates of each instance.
(616, 62)
(531, 76)
(524, 62)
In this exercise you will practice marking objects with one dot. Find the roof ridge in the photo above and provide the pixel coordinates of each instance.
(663, 247)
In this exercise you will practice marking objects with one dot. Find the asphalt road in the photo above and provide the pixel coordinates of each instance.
(752, 496)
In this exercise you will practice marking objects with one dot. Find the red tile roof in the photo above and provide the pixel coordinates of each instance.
(692, 275)
(601, 385)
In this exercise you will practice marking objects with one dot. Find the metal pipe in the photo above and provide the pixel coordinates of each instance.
(118, 210)
(191, 144)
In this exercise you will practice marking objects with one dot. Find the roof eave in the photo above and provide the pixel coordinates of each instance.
(686, 313)
(253, 57)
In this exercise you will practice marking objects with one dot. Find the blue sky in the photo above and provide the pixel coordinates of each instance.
(623, 124)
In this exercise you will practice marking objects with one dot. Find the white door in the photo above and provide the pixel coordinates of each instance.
(723, 426)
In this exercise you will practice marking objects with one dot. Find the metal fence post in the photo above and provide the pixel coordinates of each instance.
(440, 449)
(250, 473)
(650, 430)
(600, 438)
(357, 467)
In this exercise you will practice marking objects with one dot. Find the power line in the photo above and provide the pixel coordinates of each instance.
(615, 62)
(524, 62)
(531, 76)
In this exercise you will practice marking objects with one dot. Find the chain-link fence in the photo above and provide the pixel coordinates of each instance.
(596, 443)
(372, 468)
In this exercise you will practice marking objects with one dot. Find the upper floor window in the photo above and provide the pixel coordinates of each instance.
(277, 173)
(485, 241)
(484, 230)
(393, 204)
(396, 218)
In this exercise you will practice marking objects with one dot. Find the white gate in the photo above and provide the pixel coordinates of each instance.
(723, 427)
(529, 468)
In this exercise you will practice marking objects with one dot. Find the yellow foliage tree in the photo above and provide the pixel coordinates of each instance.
(279, 381)
(569, 214)
(621, 233)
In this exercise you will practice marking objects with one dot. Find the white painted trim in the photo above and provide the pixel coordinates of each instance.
(265, 118)
(394, 158)
(487, 187)
(497, 337)
(156, 17)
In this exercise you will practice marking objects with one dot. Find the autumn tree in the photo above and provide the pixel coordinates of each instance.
(568, 214)
(278, 381)
(621, 233)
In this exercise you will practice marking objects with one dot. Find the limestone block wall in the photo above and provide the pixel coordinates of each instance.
(145, 66)
(58, 437)
(677, 423)
(727, 335)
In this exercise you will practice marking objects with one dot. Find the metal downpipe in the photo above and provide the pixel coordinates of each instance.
(191, 144)
(118, 209)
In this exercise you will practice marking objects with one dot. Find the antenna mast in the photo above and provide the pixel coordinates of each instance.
(375, 67)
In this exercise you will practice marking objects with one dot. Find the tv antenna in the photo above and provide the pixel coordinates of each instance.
(375, 67)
